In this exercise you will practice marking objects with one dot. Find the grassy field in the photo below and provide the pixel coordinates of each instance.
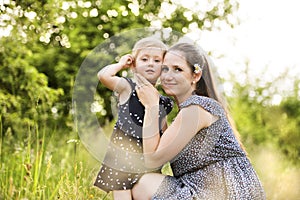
(57, 166)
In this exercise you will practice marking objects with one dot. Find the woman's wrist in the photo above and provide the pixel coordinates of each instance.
(152, 108)
(150, 126)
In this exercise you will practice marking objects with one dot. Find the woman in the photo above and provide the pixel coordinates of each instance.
(207, 160)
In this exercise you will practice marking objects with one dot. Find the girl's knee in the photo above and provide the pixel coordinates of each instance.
(146, 187)
(137, 191)
(122, 194)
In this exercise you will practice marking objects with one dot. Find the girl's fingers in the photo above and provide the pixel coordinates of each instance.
(129, 60)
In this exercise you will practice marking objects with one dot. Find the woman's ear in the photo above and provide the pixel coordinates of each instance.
(197, 76)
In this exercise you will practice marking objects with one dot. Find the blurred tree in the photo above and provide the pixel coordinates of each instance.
(261, 122)
(25, 96)
(53, 37)
(289, 125)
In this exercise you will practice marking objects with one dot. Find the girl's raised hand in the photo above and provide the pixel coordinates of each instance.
(126, 61)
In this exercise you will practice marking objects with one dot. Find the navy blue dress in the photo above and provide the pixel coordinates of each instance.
(123, 164)
(212, 166)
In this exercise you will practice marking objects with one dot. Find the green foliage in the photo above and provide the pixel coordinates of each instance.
(50, 40)
(25, 95)
(260, 122)
(289, 135)
(39, 61)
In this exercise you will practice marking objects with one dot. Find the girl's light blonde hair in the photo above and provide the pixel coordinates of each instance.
(148, 42)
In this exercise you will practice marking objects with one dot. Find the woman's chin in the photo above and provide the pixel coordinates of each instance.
(169, 92)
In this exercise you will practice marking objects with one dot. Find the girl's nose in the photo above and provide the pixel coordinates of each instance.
(151, 62)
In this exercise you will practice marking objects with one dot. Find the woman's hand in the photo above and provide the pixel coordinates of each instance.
(149, 97)
(146, 92)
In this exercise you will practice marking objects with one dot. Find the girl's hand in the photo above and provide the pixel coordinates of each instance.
(146, 92)
(126, 61)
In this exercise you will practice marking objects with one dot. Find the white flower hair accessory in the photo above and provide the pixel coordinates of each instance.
(198, 68)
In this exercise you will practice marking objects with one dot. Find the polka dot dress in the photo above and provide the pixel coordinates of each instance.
(123, 164)
(212, 166)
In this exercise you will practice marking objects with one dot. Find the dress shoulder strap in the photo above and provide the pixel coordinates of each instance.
(130, 81)
(208, 104)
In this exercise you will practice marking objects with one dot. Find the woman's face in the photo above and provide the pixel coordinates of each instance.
(176, 76)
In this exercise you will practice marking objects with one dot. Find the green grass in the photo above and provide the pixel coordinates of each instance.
(43, 167)
(48, 164)
(279, 176)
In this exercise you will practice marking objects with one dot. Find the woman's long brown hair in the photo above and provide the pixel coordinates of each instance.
(206, 85)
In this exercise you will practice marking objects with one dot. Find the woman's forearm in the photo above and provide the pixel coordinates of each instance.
(151, 135)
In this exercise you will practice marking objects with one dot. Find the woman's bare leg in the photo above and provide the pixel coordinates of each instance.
(147, 186)
(122, 195)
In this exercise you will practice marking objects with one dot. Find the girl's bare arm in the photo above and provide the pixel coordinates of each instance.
(107, 75)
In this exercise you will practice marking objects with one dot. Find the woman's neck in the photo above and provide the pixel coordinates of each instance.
(183, 98)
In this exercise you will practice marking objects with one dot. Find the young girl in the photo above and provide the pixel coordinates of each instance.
(123, 163)
(206, 157)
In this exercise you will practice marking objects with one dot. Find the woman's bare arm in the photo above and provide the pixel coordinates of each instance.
(185, 126)
(159, 150)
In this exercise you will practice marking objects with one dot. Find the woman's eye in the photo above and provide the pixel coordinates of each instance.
(177, 69)
(144, 59)
(157, 61)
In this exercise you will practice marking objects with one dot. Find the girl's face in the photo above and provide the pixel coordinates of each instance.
(177, 77)
(148, 63)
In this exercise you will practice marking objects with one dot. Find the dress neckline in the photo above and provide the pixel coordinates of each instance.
(184, 102)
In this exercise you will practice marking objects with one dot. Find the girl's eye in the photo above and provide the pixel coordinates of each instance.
(144, 59)
(157, 61)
